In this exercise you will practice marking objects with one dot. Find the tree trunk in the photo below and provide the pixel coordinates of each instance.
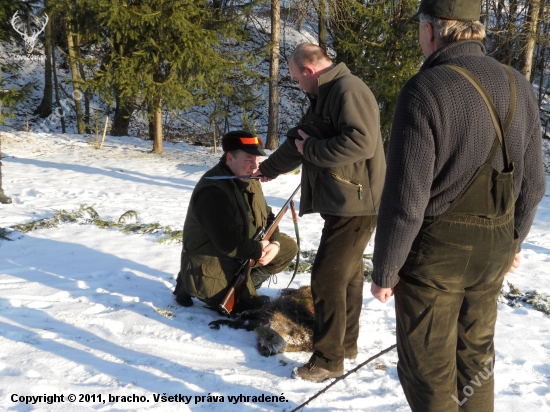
(543, 49)
(531, 38)
(273, 119)
(56, 87)
(322, 16)
(121, 122)
(45, 108)
(157, 121)
(77, 94)
(86, 93)
(0, 130)
(151, 121)
(1, 77)
(510, 33)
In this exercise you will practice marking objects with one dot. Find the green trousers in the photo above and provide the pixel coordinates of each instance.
(446, 309)
(337, 281)
(446, 299)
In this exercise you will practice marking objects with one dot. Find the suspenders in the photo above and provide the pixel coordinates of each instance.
(501, 128)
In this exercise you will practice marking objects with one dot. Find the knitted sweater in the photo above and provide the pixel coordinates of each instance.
(442, 133)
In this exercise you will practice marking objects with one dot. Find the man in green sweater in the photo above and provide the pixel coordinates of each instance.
(339, 145)
(465, 176)
(222, 218)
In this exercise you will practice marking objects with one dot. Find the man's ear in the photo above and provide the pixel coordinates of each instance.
(309, 69)
(430, 32)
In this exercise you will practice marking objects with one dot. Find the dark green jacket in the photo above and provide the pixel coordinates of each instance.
(218, 231)
(343, 163)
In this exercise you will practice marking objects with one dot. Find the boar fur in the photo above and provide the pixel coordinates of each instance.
(283, 325)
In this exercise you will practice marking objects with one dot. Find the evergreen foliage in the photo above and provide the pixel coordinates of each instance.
(4, 234)
(374, 40)
(7, 9)
(87, 215)
(514, 297)
(197, 66)
(307, 257)
(10, 97)
(170, 54)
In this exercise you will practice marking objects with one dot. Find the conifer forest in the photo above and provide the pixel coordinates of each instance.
(191, 70)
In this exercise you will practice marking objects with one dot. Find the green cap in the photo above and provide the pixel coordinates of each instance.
(466, 10)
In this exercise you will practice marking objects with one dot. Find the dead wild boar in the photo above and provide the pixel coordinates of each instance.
(283, 325)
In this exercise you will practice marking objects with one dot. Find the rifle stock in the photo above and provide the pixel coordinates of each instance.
(228, 302)
(230, 299)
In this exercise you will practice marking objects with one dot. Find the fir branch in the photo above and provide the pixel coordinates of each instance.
(516, 298)
(87, 215)
(4, 234)
(130, 214)
(307, 257)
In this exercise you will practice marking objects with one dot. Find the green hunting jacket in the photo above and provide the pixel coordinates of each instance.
(221, 220)
(343, 163)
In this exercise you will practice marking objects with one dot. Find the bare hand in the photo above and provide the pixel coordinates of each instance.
(262, 177)
(515, 263)
(300, 143)
(269, 253)
(382, 294)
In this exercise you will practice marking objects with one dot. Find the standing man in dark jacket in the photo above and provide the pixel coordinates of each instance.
(222, 219)
(465, 176)
(339, 145)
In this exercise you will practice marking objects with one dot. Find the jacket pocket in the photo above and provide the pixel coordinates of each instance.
(340, 195)
(441, 261)
(357, 185)
(205, 277)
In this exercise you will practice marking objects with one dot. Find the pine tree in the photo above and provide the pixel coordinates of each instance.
(272, 138)
(168, 54)
(10, 97)
(374, 40)
(45, 107)
(75, 20)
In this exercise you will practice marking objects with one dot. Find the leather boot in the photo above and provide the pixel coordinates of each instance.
(3, 198)
(259, 275)
(311, 372)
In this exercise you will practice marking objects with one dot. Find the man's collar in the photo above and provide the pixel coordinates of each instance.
(337, 71)
(454, 50)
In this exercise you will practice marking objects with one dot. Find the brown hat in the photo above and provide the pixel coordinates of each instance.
(465, 10)
(245, 141)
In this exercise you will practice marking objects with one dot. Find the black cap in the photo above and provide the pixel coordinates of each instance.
(465, 10)
(245, 141)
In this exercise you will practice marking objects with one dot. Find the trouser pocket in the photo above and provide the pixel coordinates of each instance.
(435, 259)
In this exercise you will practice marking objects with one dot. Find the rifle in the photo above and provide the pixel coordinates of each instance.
(239, 279)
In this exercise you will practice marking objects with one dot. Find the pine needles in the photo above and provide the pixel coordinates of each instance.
(4, 234)
(308, 256)
(86, 215)
(515, 298)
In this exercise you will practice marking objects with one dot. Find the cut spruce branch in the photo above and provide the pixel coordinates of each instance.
(514, 297)
(87, 215)
(4, 234)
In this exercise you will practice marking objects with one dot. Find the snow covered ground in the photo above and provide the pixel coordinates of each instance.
(85, 311)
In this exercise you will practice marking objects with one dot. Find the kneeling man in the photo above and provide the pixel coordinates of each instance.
(222, 219)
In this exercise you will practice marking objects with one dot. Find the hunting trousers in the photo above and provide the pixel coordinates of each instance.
(337, 280)
(446, 309)
(446, 299)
